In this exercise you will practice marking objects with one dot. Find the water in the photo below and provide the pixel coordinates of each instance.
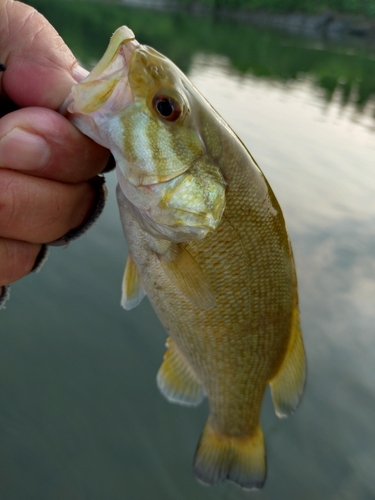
(81, 417)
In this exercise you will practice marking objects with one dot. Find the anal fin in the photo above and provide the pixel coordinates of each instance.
(288, 384)
(176, 380)
(132, 290)
(240, 459)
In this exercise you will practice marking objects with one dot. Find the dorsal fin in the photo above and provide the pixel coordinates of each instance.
(176, 379)
(185, 273)
(132, 290)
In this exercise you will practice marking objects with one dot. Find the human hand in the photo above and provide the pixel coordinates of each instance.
(45, 163)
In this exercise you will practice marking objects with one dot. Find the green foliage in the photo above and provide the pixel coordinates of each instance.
(87, 26)
(361, 7)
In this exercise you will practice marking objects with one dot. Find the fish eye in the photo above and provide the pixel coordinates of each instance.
(167, 106)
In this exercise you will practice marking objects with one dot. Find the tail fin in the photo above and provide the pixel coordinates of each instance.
(239, 459)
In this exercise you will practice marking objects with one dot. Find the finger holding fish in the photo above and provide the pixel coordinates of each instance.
(42, 210)
(45, 162)
(33, 141)
(44, 188)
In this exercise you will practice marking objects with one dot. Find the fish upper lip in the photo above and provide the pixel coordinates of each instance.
(122, 43)
(112, 67)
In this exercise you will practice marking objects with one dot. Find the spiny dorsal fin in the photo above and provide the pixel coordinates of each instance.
(176, 380)
(132, 290)
(288, 385)
(187, 275)
(240, 459)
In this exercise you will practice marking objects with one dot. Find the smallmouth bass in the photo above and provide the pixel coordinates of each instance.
(207, 244)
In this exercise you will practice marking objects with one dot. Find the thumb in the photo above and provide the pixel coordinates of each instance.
(40, 67)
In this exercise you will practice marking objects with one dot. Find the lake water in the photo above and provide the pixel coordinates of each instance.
(81, 417)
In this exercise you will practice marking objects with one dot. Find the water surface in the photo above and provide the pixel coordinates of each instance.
(81, 417)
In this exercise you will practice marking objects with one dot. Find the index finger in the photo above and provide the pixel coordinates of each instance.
(41, 142)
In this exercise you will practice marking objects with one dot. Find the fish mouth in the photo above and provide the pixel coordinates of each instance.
(123, 44)
(106, 89)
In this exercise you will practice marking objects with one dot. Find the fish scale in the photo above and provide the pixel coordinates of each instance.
(207, 244)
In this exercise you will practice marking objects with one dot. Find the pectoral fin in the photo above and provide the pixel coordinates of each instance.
(132, 290)
(185, 273)
(176, 380)
(287, 386)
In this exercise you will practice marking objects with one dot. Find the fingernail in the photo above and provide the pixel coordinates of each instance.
(79, 73)
(21, 150)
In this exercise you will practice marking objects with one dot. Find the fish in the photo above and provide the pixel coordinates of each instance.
(209, 247)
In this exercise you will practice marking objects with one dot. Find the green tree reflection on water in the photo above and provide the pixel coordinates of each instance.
(332, 66)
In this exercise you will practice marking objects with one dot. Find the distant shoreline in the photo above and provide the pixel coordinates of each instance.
(326, 24)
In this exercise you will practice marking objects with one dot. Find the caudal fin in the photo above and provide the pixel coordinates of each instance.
(238, 459)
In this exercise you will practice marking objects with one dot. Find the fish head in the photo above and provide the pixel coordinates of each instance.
(138, 104)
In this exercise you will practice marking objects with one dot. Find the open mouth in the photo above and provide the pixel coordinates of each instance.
(106, 89)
